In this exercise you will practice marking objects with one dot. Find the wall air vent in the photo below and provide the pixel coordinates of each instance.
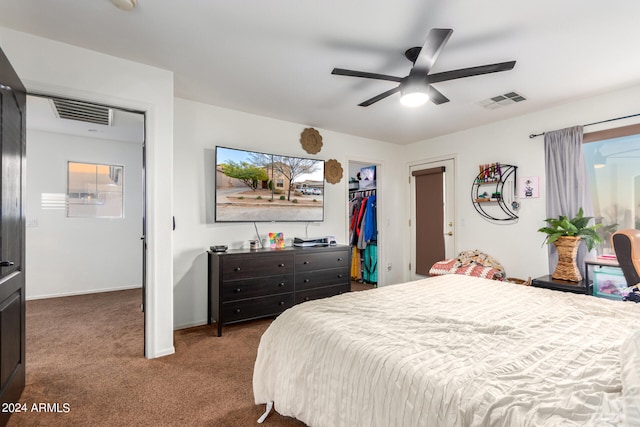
(82, 111)
(502, 100)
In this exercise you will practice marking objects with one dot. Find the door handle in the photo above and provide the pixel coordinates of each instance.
(6, 263)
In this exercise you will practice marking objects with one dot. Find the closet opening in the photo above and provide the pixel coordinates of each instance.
(363, 225)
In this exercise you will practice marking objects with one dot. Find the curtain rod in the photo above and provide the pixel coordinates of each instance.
(535, 135)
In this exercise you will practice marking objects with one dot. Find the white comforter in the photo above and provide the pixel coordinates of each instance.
(453, 351)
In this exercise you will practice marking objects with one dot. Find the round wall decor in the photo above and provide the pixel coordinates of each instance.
(311, 140)
(332, 171)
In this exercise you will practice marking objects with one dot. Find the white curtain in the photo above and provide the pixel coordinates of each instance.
(567, 185)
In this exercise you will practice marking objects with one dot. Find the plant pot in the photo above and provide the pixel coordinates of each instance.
(567, 268)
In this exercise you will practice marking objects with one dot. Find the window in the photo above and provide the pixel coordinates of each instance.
(613, 165)
(279, 183)
(95, 190)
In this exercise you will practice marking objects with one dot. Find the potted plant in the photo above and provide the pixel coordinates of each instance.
(566, 235)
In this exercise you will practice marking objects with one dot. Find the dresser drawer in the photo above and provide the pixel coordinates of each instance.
(318, 293)
(314, 279)
(258, 287)
(236, 267)
(235, 311)
(321, 260)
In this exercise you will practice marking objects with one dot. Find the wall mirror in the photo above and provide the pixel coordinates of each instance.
(95, 190)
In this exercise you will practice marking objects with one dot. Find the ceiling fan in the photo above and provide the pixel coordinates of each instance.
(417, 88)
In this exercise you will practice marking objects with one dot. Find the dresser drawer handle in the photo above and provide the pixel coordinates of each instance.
(281, 265)
(281, 284)
(281, 302)
(306, 262)
(238, 290)
(306, 280)
(306, 298)
(236, 269)
(339, 259)
(339, 276)
(238, 310)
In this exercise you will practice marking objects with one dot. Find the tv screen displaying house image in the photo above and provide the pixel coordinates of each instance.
(260, 187)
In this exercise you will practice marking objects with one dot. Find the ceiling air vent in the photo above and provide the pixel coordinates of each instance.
(82, 111)
(502, 100)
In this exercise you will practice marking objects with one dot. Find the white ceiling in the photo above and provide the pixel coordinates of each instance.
(274, 58)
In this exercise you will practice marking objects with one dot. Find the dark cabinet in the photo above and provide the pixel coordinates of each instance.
(245, 285)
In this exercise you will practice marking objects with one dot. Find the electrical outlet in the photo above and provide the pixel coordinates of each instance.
(32, 222)
(389, 267)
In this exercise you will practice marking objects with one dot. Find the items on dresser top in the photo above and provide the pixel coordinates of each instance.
(245, 285)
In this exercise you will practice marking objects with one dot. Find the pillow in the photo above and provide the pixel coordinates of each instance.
(442, 267)
(630, 377)
(480, 258)
(451, 266)
(470, 263)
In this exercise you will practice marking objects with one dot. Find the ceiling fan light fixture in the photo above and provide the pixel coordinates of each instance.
(414, 99)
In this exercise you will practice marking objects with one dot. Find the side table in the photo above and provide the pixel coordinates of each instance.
(547, 282)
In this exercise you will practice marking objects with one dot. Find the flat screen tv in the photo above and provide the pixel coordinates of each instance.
(259, 187)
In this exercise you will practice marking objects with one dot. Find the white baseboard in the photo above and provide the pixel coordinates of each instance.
(189, 325)
(84, 292)
(161, 353)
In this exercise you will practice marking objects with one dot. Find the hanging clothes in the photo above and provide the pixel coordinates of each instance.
(354, 210)
(370, 270)
(371, 226)
(356, 272)
(363, 232)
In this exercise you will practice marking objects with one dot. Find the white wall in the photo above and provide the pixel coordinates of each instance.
(68, 256)
(517, 246)
(198, 129)
(54, 68)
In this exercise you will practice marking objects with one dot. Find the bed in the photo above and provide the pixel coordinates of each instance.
(454, 351)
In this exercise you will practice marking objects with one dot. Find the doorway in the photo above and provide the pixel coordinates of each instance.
(432, 223)
(100, 249)
(12, 277)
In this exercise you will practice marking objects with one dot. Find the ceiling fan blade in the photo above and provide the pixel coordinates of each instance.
(352, 73)
(471, 71)
(436, 96)
(377, 98)
(431, 49)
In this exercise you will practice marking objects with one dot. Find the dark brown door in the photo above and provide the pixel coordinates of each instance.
(432, 215)
(429, 218)
(12, 237)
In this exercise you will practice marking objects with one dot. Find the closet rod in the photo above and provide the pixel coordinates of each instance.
(535, 135)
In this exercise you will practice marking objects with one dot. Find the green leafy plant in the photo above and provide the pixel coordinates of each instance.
(576, 227)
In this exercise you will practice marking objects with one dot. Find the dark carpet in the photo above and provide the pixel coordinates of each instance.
(85, 367)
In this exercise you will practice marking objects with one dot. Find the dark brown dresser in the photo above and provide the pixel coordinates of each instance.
(245, 285)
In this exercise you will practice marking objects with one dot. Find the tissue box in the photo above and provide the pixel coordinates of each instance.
(608, 283)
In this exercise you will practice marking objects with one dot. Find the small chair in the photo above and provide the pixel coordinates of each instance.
(626, 244)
